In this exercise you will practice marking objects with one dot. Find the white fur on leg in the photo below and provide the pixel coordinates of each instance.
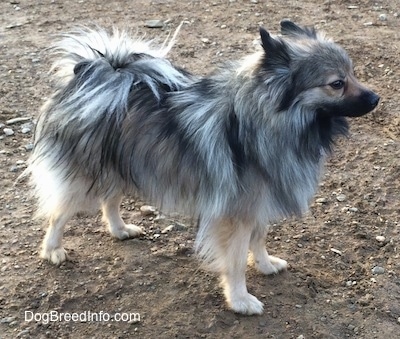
(269, 264)
(52, 249)
(237, 297)
(116, 225)
(264, 263)
(56, 256)
(224, 245)
(124, 231)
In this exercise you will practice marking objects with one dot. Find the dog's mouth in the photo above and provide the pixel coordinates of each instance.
(351, 107)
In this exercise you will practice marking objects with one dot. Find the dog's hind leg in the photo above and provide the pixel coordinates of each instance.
(52, 249)
(264, 263)
(116, 225)
(225, 246)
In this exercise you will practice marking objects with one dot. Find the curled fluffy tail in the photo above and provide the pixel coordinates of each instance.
(96, 72)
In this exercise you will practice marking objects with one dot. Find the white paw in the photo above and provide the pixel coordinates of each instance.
(129, 231)
(272, 266)
(56, 256)
(246, 304)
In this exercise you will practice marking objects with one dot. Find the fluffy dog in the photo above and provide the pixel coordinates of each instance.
(237, 149)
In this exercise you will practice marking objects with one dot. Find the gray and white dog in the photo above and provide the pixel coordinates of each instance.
(237, 149)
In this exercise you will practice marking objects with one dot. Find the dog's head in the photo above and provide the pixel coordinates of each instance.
(315, 72)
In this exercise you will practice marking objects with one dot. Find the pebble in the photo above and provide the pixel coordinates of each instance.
(382, 17)
(22, 333)
(154, 23)
(321, 200)
(300, 337)
(378, 270)
(167, 229)
(380, 238)
(205, 40)
(29, 147)
(7, 320)
(147, 210)
(334, 250)
(398, 320)
(340, 197)
(179, 227)
(353, 209)
(8, 131)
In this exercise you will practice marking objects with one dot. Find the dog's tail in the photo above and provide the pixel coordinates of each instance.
(96, 70)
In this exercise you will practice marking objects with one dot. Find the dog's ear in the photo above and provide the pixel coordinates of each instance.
(276, 51)
(290, 28)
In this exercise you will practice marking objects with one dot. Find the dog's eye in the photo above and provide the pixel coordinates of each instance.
(338, 84)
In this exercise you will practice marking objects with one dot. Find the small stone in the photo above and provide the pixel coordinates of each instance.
(341, 197)
(179, 227)
(7, 320)
(8, 131)
(353, 209)
(205, 40)
(334, 250)
(382, 17)
(22, 333)
(380, 238)
(378, 270)
(300, 336)
(147, 210)
(167, 229)
(223, 26)
(398, 320)
(154, 23)
(29, 147)
(321, 200)
(25, 130)
(351, 327)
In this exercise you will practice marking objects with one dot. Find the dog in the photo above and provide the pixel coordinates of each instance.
(237, 149)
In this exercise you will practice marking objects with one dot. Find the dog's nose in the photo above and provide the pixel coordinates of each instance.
(374, 99)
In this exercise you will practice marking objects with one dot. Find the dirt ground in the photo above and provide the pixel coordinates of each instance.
(344, 275)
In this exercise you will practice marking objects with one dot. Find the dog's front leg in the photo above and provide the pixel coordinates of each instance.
(224, 245)
(234, 273)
